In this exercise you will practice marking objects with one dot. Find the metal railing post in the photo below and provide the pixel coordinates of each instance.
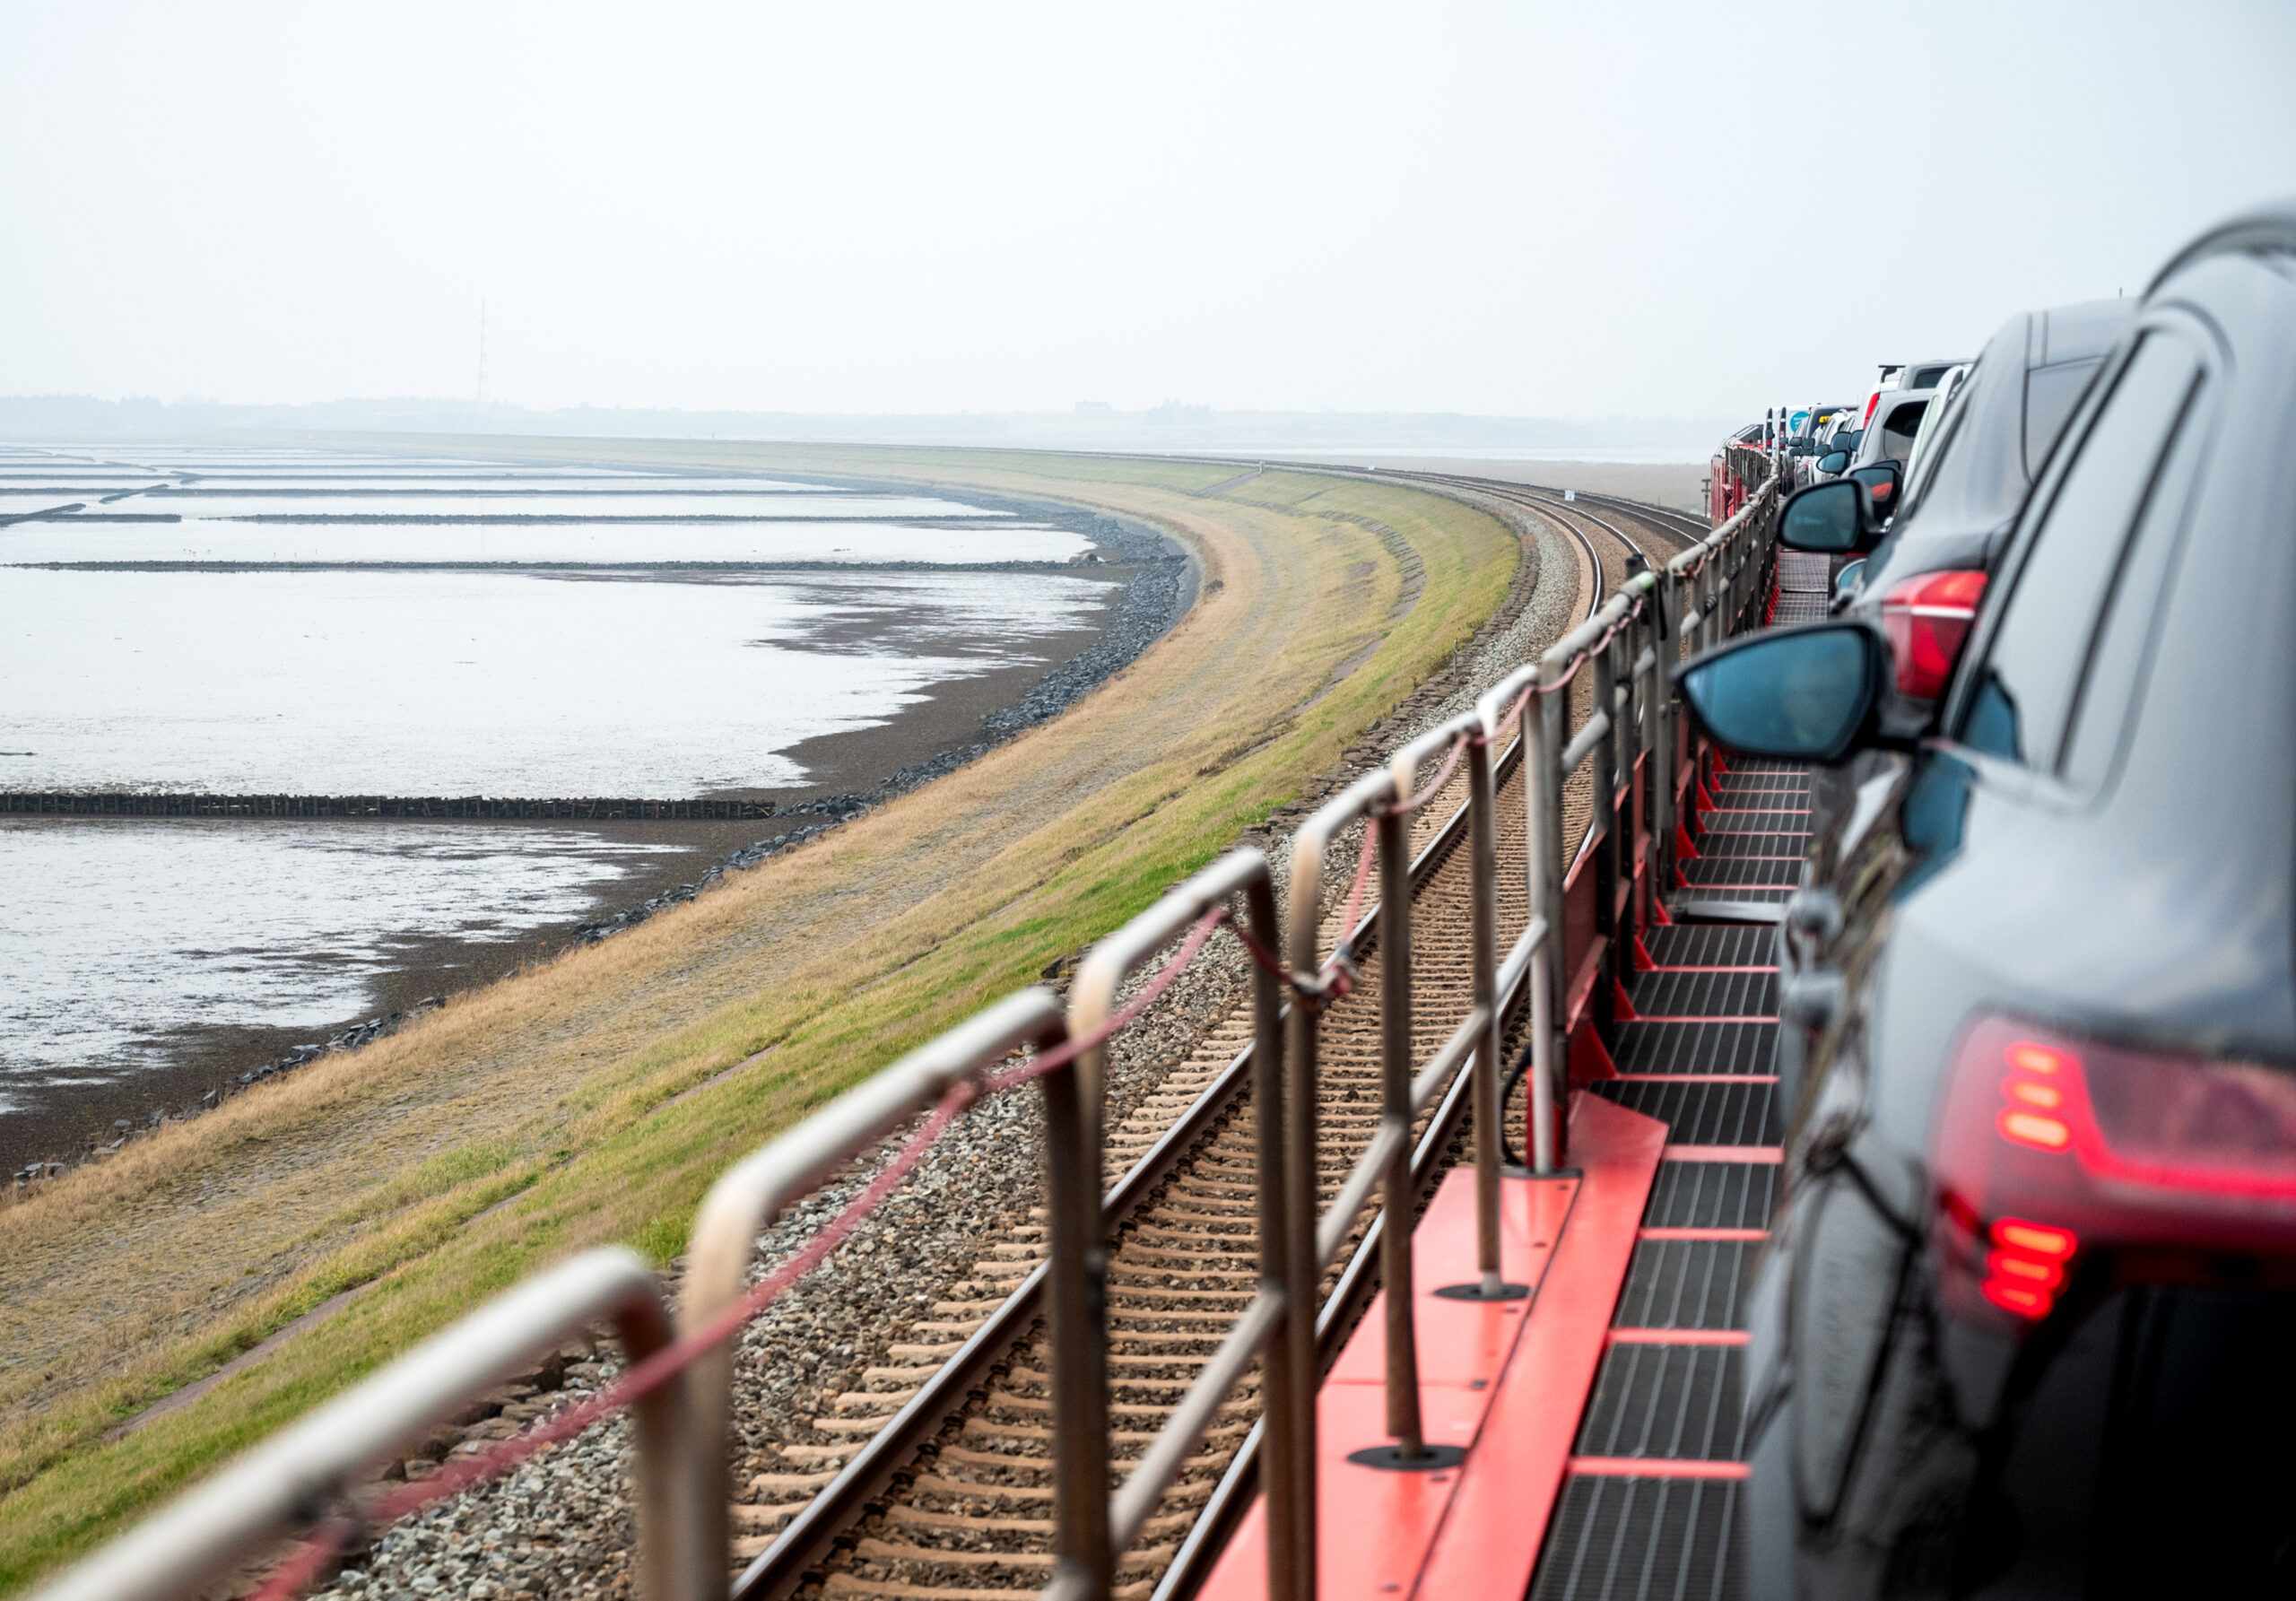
(1490, 1062)
(1075, 1320)
(1399, 1197)
(1548, 853)
(1514, 699)
(752, 1192)
(1664, 741)
(1287, 1257)
(1603, 837)
(1472, 737)
(1092, 1529)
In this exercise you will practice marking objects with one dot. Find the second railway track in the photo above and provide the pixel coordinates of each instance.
(930, 1479)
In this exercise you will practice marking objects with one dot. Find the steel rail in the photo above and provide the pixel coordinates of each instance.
(752, 1193)
(803, 1542)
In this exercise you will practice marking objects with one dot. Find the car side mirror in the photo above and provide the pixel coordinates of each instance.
(1881, 480)
(1802, 694)
(1845, 582)
(1834, 463)
(1828, 519)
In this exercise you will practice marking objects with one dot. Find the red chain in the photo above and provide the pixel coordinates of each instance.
(298, 1569)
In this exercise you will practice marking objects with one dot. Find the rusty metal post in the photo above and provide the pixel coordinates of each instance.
(1075, 1308)
(1490, 1063)
(1399, 1198)
(1665, 611)
(1602, 832)
(1549, 860)
(1287, 1244)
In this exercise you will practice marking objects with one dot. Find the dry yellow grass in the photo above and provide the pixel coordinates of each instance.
(548, 1090)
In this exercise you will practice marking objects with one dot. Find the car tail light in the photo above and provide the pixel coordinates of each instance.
(2050, 1149)
(1926, 618)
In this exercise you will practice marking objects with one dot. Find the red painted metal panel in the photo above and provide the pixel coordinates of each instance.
(1680, 1336)
(1656, 1467)
(1381, 1534)
(1582, 979)
(1772, 1154)
(1490, 1542)
(1463, 1341)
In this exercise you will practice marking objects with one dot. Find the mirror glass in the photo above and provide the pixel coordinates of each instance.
(1822, 518)
(1846, 581)
(1798, 695)
(1834, 461)
(1881, 480)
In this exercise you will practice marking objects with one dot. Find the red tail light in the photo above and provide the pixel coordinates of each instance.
(1926, 618)
(2051, 1148)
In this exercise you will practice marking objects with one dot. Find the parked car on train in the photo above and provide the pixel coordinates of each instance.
(2021, 1327)
(1989, 442)
(1809, 440)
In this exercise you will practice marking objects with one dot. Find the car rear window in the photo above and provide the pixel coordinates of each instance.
(1898, 429)
(2132, 610)
(2050, 395)
(2026, 690)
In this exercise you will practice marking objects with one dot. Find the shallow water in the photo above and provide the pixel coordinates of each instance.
(123, 937)
(666, 541)
(659, 659)
(479, 682)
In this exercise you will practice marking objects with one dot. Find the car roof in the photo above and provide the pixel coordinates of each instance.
(2269, 227)
(1982, 469)
(2077, 333)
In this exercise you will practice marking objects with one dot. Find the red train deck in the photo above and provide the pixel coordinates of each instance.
(1601, 1419)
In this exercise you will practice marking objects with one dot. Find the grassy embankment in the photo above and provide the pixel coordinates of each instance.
(529, 1119)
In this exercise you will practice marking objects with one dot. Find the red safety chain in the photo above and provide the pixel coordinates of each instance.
(1450, 766)
(329, 1539)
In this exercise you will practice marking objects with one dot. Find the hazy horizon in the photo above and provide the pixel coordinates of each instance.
(1492, 211)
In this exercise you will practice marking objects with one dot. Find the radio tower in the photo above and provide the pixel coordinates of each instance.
(482, 350)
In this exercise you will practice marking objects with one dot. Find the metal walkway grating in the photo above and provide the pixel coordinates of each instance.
(1687, 1048)
(1705, 994)
(1750, 843)
(1687, 1283)
(1689, 944)
(1712, 1195)
(1648, 1507)
(1701, 1113)
(1744, 872)
(1672, 1402)
(1627, 1539)
(1804, 571)
(1749, 821)
(1738, 783)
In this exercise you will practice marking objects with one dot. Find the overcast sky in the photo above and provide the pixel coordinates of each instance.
(1537, 210)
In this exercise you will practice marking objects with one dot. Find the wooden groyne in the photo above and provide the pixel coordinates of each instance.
(75, 804)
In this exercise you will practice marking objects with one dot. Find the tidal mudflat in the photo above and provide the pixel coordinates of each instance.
(227, 623)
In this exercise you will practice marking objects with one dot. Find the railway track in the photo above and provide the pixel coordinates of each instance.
(930, 1480)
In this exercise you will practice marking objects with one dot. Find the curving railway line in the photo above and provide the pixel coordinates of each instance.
(930, 1480)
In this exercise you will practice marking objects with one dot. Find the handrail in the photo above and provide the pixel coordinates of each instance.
(289, 1483)
(752, 1193)
(1278, 1325)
